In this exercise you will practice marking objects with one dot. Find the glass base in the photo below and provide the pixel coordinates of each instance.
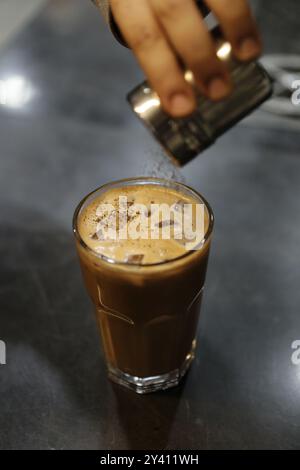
(157, 382)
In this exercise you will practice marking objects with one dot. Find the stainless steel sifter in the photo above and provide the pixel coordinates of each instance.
(184, 138)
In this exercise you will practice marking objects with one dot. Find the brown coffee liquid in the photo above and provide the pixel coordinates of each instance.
(147, 313)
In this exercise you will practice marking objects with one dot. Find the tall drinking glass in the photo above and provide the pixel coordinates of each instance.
(147, 313)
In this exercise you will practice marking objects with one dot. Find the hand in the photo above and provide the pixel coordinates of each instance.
(161, 31)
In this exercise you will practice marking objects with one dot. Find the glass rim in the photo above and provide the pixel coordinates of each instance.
(146, 179)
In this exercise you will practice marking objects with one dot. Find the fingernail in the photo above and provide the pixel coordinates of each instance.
(181, 104)
(218, 88)
(249, 48)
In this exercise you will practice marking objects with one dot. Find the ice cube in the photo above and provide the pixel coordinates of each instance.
(135, 259)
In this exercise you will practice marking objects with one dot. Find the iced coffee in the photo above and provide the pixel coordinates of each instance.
(143, 246)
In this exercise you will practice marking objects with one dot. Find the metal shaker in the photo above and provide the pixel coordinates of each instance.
(184, 138)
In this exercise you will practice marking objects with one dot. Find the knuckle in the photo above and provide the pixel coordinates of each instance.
(203, 61)
(167, 86)
(168, 80)
(145, 38)
(167, 8)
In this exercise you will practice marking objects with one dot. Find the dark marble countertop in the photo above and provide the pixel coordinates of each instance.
(65, 129)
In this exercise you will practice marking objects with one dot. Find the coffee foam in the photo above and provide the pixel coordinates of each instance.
(94, 224)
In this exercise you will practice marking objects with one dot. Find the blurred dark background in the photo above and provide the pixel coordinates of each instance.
(279, 22)
(65, 128)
